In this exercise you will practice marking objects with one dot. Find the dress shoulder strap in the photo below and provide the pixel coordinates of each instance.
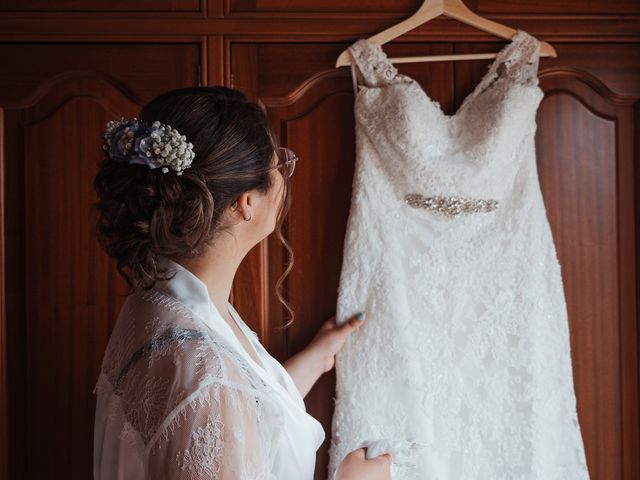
(370, 65)
(520, 58)
(517, 62)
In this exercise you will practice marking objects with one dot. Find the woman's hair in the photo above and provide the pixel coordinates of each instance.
(144, 213)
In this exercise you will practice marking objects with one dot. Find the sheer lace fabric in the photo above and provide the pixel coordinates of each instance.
(178, 399)
(467, 348)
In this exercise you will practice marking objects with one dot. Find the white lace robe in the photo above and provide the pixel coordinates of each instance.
(180, 398)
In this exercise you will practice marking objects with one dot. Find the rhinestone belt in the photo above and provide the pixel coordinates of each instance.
(451, 206)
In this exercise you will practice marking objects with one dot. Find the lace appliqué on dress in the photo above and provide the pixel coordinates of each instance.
(517, 62)
(374, 69)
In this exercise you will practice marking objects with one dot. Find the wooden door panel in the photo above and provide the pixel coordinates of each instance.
(586, 167)
(63, 293)
(134, 68)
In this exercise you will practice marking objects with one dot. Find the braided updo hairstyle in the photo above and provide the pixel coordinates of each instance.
(144, 213)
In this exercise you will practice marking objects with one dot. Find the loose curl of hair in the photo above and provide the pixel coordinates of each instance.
(145, 213)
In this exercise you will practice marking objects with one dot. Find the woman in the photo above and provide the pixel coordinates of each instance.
(186, 389)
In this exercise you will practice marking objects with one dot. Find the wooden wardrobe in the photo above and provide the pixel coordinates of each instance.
(69, 66)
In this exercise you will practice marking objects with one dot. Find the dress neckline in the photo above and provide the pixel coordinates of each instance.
(375, 54)
(505, 54)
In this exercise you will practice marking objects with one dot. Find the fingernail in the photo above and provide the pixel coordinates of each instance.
(360, 316)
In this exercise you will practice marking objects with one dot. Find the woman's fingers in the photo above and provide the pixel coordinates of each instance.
(383, 464)
(355, 465)
(385, 458)
(328, 324)
(354, 322)
(359, 453)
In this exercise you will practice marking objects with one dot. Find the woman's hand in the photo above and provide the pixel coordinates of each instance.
(355, 466)
(318, 357)
(331, 337)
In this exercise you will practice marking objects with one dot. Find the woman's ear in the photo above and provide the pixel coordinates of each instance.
(243, 206)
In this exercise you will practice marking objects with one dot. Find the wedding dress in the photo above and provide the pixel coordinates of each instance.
(179, 397)
(449, 251)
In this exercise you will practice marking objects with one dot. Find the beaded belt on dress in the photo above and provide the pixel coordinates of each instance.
(451, 206)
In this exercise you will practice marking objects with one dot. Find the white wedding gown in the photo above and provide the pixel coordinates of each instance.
(449, 251)
(180, 398)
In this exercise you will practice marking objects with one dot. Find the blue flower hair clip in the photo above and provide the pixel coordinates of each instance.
(156, 146)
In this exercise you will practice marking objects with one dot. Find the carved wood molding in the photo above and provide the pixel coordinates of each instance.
(72, 26)
(567, 80)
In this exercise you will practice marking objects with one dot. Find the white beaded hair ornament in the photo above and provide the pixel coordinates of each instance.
(156, 146)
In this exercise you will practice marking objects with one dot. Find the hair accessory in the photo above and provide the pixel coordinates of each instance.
(156, 146)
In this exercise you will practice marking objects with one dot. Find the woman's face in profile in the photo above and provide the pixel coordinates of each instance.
(264, 206)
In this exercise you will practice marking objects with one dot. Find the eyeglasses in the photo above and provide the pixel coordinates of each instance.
(287, 161)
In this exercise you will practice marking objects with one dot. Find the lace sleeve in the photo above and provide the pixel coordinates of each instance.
(217, 434)
(177, 402)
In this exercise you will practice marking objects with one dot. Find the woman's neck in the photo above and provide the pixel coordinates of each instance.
(216, 268)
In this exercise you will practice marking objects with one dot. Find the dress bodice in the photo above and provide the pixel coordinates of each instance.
(460, 154)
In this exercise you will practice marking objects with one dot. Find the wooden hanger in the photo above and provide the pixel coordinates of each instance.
(431, 9)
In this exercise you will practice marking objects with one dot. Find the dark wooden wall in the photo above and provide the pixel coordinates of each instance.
(69, 66)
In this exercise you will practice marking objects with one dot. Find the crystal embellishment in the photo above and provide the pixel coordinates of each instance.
(451, 206)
